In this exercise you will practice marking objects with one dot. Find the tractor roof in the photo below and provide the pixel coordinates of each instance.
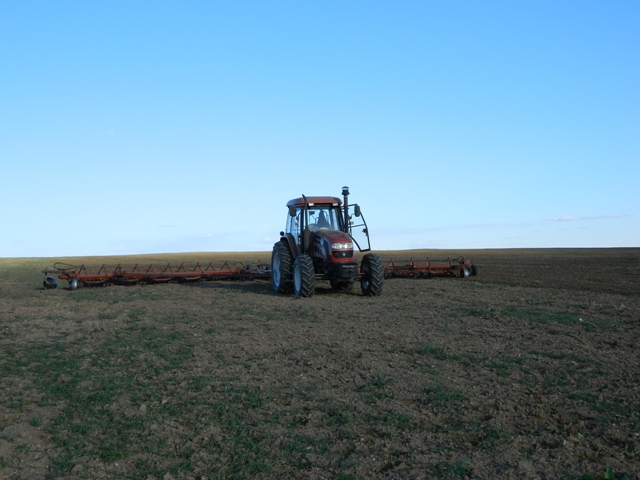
(299, 202)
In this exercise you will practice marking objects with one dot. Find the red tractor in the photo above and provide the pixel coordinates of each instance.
(318, 245)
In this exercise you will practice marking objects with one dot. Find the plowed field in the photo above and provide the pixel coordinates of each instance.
(529, 370)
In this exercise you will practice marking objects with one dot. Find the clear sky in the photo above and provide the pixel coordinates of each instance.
(163, 126)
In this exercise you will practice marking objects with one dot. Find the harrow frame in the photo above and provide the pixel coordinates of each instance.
(120, 274)
(130, 275)
(448, 267)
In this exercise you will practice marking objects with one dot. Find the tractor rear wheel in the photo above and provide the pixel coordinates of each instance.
(372, 278)
(304, 277)
(281, 268)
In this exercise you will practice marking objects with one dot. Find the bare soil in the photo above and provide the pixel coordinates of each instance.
(527, 371)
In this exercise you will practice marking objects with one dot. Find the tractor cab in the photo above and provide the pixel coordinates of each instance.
(317, 226)
(321, 232)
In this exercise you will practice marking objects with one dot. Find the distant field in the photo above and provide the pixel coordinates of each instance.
(529, 370)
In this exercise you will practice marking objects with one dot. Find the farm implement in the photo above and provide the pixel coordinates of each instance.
(100, 276)
(317, 244)
(129, 275)
(449, 267)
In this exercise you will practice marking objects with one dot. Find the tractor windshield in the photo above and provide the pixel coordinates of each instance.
(320, 216)
(324, 217)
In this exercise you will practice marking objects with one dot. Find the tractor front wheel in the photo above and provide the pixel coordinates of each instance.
(372, 279)
(281, 274)
(304, 277)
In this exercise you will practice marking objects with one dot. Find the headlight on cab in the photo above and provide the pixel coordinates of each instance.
(342, 246)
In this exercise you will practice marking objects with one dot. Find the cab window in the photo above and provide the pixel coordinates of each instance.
(293, 223)
(324, 217)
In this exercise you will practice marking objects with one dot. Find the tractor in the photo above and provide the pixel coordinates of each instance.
(318, 244)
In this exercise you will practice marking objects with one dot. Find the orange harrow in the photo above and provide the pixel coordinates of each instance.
(122, 275)
(87, 276)
(430, 268)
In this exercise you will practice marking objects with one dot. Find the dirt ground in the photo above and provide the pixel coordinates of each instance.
(529, 370)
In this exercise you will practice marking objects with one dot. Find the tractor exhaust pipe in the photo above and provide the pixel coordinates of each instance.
(345, 205)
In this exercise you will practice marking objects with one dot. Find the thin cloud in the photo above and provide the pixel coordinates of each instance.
(569, 218)
(442, 228)
(601, 217)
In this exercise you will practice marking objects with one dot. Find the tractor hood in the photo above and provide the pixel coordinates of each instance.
(331, 245)
(333, 235)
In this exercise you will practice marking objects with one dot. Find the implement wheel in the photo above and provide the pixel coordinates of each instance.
(281, 268)
(304, 277)
(372, 279)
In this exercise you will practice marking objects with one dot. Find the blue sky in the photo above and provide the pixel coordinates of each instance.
(147, 127)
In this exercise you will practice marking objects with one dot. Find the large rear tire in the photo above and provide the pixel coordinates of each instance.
(304, 277)
(372, 279)
(281, 268)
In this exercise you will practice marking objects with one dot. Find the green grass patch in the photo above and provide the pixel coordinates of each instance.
(535, 315)
(443, 395)
(504, 366)
(439, 353)
(401, 421)
(546, 317)
(540, 316)
(559, 356)
(99, 392)
(376, 387)
(451, 470)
